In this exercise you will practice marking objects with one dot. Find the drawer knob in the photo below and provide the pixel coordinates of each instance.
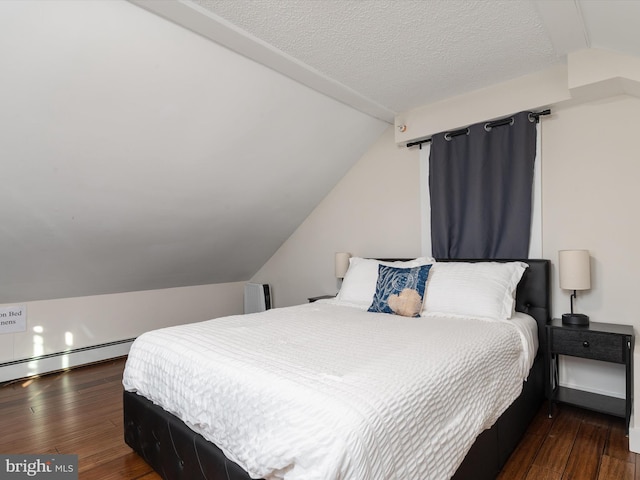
(585, 344)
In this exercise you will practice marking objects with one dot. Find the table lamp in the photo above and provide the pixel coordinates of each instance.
(575, 274)
(342, 264)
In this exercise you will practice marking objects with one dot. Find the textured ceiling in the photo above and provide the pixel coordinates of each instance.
(383, 57)
(401, 54)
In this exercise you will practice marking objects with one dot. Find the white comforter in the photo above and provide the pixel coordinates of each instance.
(328, 392)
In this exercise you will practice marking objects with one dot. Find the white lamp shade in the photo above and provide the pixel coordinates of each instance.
(575, 269)
(342, 264)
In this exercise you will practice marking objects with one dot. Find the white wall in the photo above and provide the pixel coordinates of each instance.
(70, 323)
(590, 198)
(373, 211)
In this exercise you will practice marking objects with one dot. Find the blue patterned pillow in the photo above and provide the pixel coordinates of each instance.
(400, 290)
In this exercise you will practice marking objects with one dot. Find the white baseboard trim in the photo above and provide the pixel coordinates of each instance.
(634, 440)
(634, 435)
(54, 362)
(592, 389)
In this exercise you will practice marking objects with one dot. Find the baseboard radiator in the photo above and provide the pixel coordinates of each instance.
(257, 297)
(54, 362)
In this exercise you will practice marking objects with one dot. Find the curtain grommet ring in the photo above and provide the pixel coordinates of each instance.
(498, 123)
(449, 135)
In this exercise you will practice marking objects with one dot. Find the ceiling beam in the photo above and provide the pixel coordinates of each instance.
(221, 31)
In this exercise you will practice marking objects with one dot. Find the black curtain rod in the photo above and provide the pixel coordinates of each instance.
(496, 123)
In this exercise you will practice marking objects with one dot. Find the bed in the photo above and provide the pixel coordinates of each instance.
(181, 446)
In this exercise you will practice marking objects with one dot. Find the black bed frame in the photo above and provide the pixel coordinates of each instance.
(176, 452)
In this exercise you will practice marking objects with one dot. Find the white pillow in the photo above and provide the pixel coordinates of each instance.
(482, 289)
(359, 283)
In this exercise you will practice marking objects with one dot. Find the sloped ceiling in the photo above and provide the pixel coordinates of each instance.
(137, 154)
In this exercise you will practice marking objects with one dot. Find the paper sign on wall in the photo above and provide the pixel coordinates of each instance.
(13, 319)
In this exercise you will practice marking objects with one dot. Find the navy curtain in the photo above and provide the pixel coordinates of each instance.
(481, 182)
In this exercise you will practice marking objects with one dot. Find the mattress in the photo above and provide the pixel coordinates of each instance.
(326, 391)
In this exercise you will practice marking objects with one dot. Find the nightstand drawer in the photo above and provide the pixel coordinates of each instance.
(588, 344)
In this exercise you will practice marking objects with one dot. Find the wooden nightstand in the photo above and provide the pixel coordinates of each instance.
(320, 297)
(598, 341)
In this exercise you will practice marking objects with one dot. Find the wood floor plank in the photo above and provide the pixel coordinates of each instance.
(58, 424)
(541, 423)
(104, 456)
(618, 444)
(128, 466)
(150, 476)
(584, 460)
(595, 418)
(556, 448)
(615, 469)
(522, 458)
(541, 473)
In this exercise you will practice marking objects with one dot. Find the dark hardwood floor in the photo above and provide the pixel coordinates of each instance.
(74, 412)
(80, 412)
(575, 444)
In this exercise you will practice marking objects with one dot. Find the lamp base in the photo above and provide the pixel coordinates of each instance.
(575, 319)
